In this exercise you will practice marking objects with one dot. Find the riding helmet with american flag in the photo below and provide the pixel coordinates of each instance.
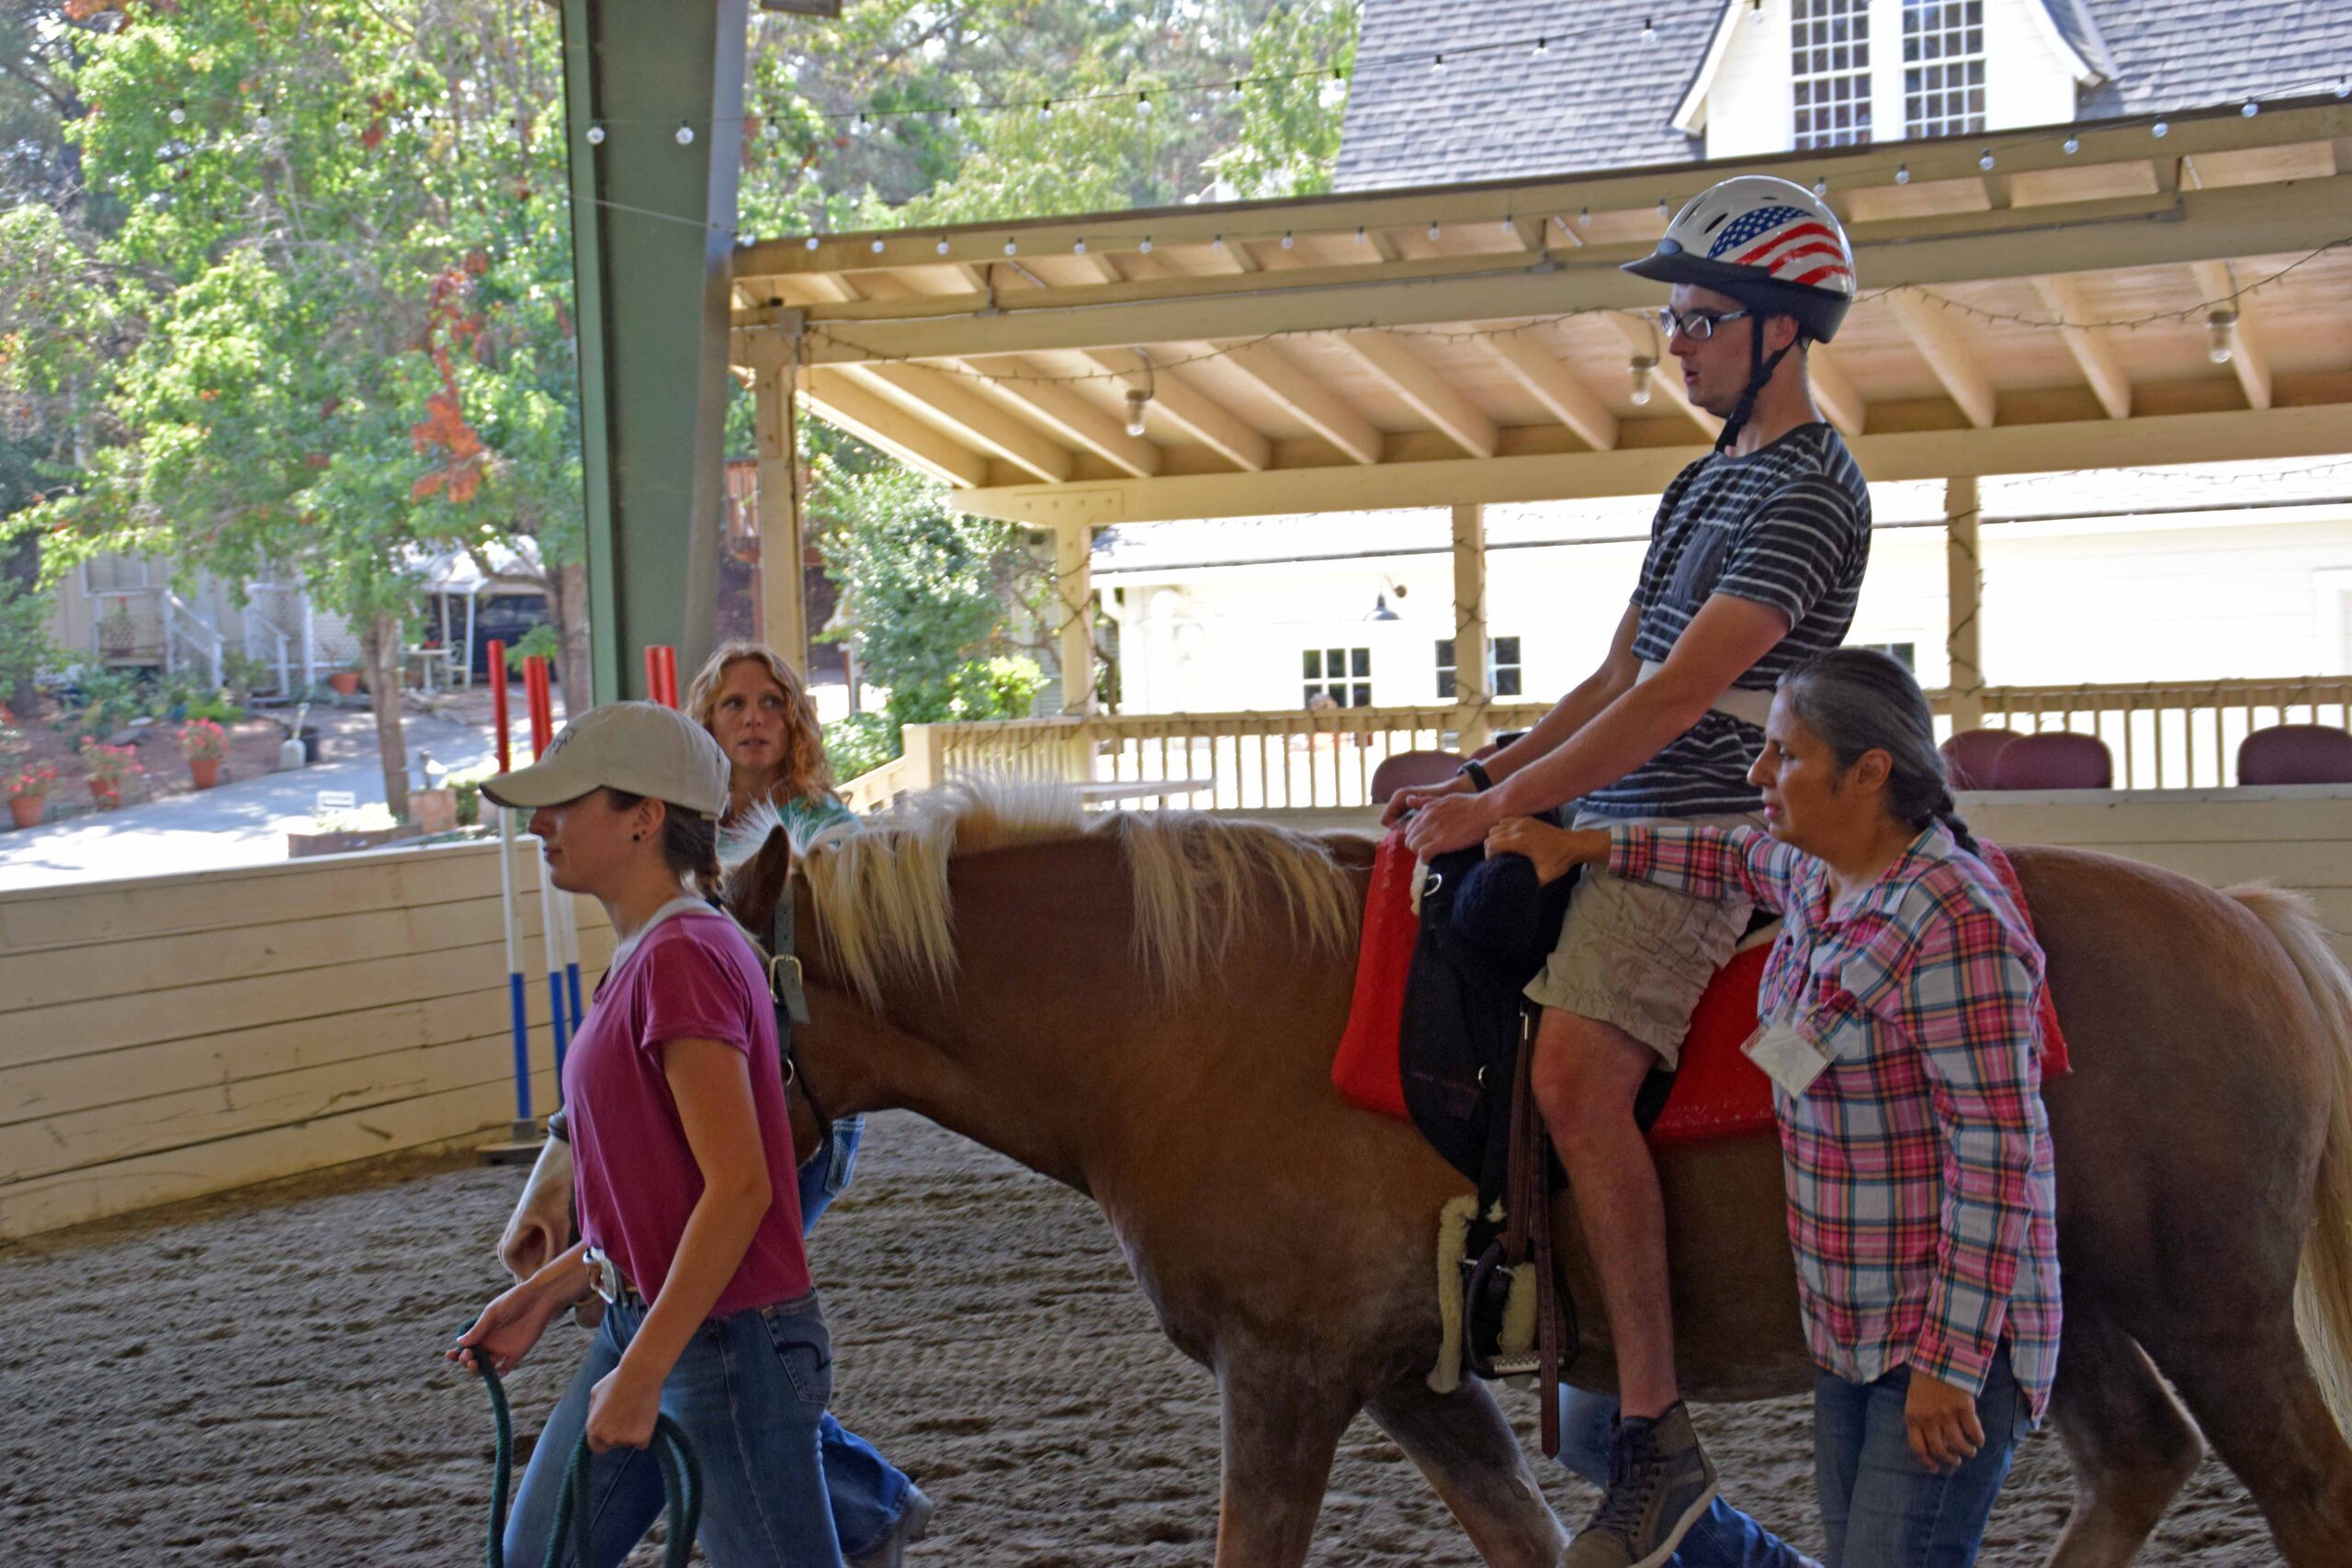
(1765, 242)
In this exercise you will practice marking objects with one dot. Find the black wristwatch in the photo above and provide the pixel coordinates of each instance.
(1476, 774)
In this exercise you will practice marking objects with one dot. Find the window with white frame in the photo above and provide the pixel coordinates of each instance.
(1943, 67)
(1830, 61)
(1904, 653)
(114, 573)
(1342, 674)
(1502, 666)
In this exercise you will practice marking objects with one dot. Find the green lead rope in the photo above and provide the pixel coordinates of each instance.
(680, 1482)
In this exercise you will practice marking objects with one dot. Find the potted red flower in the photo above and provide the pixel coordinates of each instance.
(28, 793)
(110, 766)
(204, 745)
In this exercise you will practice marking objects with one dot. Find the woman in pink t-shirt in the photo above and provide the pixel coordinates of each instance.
(686, 1181)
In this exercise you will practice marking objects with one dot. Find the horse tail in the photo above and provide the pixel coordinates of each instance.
(2324, 1285)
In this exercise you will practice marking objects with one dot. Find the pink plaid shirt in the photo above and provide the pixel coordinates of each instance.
(1921, 1203)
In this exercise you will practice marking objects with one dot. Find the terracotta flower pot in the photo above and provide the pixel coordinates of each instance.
(345, 682)
(206, 771)
(108, 796)
(27, 809)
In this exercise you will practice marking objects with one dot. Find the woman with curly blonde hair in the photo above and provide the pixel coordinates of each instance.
(758, 709)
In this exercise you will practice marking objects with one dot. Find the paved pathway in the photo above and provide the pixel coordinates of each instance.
(243, 822)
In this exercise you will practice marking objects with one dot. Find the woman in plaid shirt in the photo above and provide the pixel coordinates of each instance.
(1899, 1031)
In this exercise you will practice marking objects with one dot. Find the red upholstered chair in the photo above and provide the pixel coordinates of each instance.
(2296, 754)
(1969, 756)
(1411, 770)
(2054, 759)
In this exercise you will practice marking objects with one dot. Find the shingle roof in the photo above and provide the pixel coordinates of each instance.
(1602, 96)
(1599, 96)
(2175, 54)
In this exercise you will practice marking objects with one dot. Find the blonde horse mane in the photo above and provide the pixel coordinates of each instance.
(883, 910)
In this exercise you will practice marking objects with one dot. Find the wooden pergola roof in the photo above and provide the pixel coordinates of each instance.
(1473, 343)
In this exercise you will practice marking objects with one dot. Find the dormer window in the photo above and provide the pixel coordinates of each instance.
(1943, 67)
(1830, 68)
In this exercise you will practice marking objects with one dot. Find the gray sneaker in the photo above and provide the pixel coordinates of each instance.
(1660, 1481)
(914, 1521)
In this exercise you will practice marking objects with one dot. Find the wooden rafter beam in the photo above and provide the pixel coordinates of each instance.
(1930, 327)
(840, 400)
(2310, 430)
(2088, 344)
(1924, 252)
(2246, 358)
(1417, 381)
(1184, 405)
(1834, 392)
(960, 410)
(1065, 414)
(1553, 384)
(1322, 409)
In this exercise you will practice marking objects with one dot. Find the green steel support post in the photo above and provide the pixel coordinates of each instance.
(652, 231)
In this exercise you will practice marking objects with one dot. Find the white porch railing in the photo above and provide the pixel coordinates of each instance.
(2162, 736)
(186, 633)
(2169, 735)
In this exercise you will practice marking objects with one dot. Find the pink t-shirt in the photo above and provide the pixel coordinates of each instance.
(692, 976)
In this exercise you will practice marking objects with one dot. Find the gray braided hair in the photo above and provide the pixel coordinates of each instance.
(1857, 700)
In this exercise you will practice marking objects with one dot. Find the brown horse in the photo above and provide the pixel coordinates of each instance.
(1145, 1007)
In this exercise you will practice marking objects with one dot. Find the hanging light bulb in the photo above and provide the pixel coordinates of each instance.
(941, 248)
(809, 243)
(1234, 91)
(875, 247)
(262, 122)
(1820, 190)
(1642, 365)
(1542, 45)
(595, 136)
(1433, 231)
(1359, 235)
(1664, 211)
(2072, 145)
(1078, 247)
(1584, 217)
(1216, 242)
(2250, 110)
(1649, 30)
(1137, 398)
(178, 114)
(1046, 109)
(865, 122)
(2162, 127)
(1286, 239)
(1756, 12)
(1438, 63)
(1903, 174)
(685, 134)
(2220, 336)
(1143, 103)
(1012, 247)
(1984, 160)
(1146, 246)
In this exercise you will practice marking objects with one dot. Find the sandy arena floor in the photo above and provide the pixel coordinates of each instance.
(257, 1379)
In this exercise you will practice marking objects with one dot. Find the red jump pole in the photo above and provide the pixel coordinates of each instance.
(535, 687)
(535, 682)
(669, 674)
(498, 704)
(653, 672)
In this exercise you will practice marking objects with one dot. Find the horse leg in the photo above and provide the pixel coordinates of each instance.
(1280, 1435)
(2253, 1393)
(1468, 1450)
(2132, 1446)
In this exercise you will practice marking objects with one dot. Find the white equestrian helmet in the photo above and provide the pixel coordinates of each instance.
(1768, 242)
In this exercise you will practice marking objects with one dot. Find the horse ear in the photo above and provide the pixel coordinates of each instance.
(751, 886)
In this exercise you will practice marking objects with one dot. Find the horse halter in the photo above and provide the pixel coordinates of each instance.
(789, 991)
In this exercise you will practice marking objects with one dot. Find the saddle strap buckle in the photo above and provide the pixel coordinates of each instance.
(785, 986)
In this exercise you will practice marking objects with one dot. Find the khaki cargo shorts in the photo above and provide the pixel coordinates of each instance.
(1637, 956)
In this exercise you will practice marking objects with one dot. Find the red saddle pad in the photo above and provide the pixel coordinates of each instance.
(1718, 1093)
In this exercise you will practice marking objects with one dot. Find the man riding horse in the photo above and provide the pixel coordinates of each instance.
(1755, 563)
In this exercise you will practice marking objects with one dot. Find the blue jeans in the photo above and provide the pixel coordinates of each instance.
(1880, 1506)
(868, 1492)
(747, 1391)
(1723, 1538)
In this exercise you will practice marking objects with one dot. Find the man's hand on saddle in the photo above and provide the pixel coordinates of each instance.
(1556, 852)
(1406, 801)
(1451, 821)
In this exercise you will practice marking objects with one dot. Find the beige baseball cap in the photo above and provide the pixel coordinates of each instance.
(640, 747)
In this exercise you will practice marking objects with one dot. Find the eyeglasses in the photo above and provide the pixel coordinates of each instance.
(1699, 325)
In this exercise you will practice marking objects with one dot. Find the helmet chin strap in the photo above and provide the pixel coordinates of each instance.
(1760, 369)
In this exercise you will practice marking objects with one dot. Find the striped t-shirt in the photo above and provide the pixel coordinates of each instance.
(1787, 526)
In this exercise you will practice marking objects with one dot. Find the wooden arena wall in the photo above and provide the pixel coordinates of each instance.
(168, 1037)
